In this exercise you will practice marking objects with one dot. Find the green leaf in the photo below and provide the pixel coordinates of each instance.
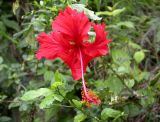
(15, 103)
(114, 84)
(20, 33)
(111, 13)
(80, 117)
(33, 94)
(23, 107)
(130, 83)
(2, 97)
(56, 84)
(10, 23)
(108, 112)
(15, 6)
(58, 97)
(2, 26)
(2, 66)
(5, 119)
(8, 37)
(122, 70)
(139, 56)
(38, 24)
(48, 76)
(134, 45)
(89, 13)
(149, 94)
(84, 1)
(120, 57)
(77, 103)
(58, 77)
(58, 80)
(127, 24)
(138, 75)
(1, 60)
(30, 38)
(132, 110)
(47, 102)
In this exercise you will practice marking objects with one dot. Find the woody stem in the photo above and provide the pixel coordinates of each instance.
(83, 81)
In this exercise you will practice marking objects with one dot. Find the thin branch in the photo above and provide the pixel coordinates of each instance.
(60, 105)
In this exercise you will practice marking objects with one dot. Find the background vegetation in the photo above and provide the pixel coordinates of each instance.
(127, 79)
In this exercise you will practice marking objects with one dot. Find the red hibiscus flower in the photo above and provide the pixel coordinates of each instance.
(69, 41)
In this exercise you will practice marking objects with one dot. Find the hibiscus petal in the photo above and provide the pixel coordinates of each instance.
(100, 46)
(72, 24)
(73, 61)
(54, 45)
(50, 45)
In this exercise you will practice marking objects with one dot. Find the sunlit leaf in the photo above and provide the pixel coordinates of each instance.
(33, 94)
(77, 103)
(15, 6)
(120, 57)
(47, 102)
(80, 117)
(134, 45)
(139, 56)
(130, 83)
(111, 13)
(1, 60)
(127, 24)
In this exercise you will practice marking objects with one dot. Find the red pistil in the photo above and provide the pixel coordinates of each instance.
(92, 98)
(88, 96)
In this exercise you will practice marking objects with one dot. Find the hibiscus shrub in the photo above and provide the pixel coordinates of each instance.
(80, 60)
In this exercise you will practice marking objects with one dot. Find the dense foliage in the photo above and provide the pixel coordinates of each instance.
(127, 80)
